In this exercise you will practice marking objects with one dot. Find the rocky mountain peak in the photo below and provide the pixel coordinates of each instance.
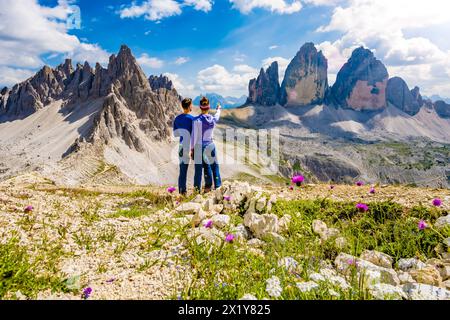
(66, 68)
(160, 82)
(306, 79)
(442, 109)
(132, 110)
(126, 72)
(125, 51)
(265, 90)
(36, 92)
(361, 83)
(87, 66)
(417, 96)
(360, 54)
(399, 95)
(272, 70)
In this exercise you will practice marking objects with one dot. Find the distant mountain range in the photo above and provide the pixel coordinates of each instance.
(435, 97)
(226, 102)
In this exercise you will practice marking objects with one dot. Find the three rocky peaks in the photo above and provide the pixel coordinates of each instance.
(132, 104)
(362, 84)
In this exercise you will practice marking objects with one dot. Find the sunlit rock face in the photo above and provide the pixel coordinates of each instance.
(306, 80)
(361, 83)
(366, 96)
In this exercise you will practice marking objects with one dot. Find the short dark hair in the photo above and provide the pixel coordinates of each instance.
(186, 103)
(204, 102)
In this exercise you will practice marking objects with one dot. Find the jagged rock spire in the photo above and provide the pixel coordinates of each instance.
(160, 82)
(306, 79)
(265, 90)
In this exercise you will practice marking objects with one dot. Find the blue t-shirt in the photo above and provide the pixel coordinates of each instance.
(183, 121)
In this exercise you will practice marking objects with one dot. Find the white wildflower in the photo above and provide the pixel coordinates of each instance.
(288, 263)
(248, 296)
(317, 277)
(307, 286)
(333, 293)
(273, 287)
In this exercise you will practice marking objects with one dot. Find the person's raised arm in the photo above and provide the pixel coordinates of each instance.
(217, 115)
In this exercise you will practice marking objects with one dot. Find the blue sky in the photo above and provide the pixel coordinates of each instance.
(206, 45)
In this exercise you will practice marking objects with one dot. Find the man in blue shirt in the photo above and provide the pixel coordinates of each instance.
(182, 127)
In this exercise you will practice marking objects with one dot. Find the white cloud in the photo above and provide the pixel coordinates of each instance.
(181, 60)
(273, 47)
(29, 31)
(156, 10)
(239, 57)
(92, 53)
(11, 76)
(282, 65)
(383, 26)
(182, 86)
(337, 56)
(150, 62)
(218, 79)
(323, 2)
(244, 69)
(277, 6)
(153, 10)
(201, 5)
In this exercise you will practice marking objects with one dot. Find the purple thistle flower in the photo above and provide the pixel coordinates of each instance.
(422, 225)
(28, 209)
(171, 189)
(362, 207)
(110, 280)
(352, 262)
(372, 190)
(298, 180)
(291, 188)
(332, 187)
(87, 293)
(209, 224)
(227, 198)
(437, 202)
(229, 238)
(359, 183)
